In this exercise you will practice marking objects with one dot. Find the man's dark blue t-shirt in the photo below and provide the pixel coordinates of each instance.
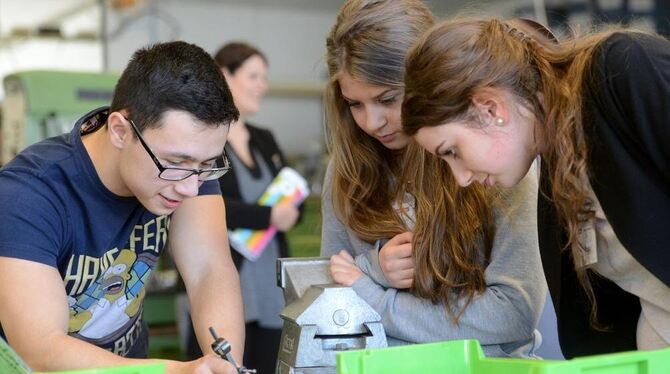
(57, 211)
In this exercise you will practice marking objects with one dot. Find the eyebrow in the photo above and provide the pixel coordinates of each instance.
(189, 158)
(438, 147)
(376, 97)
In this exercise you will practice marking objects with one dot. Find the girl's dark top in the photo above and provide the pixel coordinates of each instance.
(627, 126)
(251, 216)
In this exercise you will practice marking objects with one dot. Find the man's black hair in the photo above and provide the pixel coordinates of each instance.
(174, 76)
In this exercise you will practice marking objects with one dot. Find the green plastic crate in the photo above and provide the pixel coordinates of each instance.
(11, 363)
(467, 357)
(158, 368)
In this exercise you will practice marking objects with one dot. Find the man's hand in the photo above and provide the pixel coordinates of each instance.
(396, 261)
(284, 216)
(343, 268)
(208, 364)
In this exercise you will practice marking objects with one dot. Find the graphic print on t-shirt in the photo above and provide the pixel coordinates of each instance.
(108, 312)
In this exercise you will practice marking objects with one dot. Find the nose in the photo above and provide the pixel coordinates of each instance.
(263, 86)
(188, 187)
(374, 119)
(462, 174)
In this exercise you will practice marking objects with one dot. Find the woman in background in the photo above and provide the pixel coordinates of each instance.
(256, 159)
(489, 96)
(436, 261)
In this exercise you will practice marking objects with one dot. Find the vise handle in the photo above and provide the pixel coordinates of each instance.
(222, 347)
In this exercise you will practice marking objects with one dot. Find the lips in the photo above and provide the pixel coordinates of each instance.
(169, 203)
(386, 138)
(170, 200)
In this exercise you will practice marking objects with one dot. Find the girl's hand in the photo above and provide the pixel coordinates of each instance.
(343, 268)
(396, 261)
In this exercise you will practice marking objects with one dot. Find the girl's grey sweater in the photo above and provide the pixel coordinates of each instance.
(503, 318)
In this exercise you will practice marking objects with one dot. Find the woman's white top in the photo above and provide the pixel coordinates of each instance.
(612, 261)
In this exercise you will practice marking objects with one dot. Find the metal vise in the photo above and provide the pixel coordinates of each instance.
(321, 318)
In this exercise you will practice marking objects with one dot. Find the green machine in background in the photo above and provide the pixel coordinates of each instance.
(41, 104)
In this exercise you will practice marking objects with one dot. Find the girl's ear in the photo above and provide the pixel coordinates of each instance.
(491, 106)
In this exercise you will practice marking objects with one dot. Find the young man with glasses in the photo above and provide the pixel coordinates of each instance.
(86, 215)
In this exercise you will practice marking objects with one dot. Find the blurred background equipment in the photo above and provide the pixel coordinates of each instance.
(563, 15)
(41, 104)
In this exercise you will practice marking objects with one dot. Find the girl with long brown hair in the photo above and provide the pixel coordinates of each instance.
(437, 261)
(488, 96)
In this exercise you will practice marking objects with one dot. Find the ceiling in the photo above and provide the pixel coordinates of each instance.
(30, 14)
(440, 7)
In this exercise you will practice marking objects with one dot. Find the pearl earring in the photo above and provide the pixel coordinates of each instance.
(498, 121)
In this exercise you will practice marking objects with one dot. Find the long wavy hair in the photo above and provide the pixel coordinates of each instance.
(453, 231)
(453, 227)
(457, 58)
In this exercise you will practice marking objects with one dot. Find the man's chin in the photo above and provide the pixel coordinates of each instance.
(158, 209)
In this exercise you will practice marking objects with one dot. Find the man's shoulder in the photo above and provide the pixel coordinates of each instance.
(38, 158)
(37, 172)
(57, 151)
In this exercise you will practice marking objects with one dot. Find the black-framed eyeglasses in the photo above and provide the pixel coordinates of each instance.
(170, 173)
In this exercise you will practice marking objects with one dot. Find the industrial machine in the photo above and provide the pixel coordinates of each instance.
(41, 104)
(321, 318)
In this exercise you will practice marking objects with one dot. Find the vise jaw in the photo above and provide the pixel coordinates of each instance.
(321, 318)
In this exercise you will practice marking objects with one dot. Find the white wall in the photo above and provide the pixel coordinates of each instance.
(293, 40)
(50, 54)
(29, 53)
